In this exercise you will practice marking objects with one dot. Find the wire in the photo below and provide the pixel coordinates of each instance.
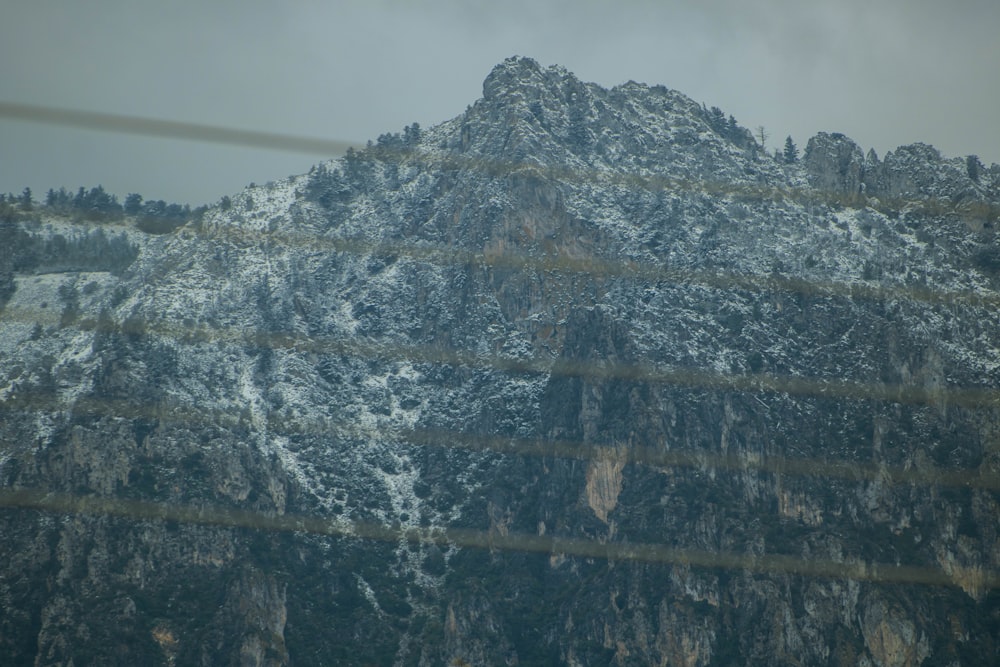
(167, 412)
(171, 129)
(973, 397)
(659, 457)
(598, 267)
(138, 125)
(604, 268)
(971, 579)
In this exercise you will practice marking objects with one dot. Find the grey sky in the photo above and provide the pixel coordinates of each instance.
(884, 72)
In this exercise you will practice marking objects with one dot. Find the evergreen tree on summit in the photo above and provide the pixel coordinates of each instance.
(974, 167)
(732, 127)
(791, 152)
(133, 204)
(717, 120)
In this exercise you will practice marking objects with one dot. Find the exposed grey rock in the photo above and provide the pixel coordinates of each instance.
(834, 163)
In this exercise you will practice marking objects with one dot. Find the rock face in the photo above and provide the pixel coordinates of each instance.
(578, 377)
(835, 164)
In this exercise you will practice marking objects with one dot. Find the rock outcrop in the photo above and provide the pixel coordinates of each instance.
(835, 164)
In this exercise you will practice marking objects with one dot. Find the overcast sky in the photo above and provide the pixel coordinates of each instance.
(884, 72)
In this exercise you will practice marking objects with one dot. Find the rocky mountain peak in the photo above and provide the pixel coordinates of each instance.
(523, 76)
(541, 115)
(546, 116)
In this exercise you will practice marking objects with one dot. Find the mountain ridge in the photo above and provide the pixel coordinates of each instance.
(426, 335)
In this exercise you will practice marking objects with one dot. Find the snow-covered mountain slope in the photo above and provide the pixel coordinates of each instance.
(581, 376)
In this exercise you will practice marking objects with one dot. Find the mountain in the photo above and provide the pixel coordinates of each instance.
(581, 376)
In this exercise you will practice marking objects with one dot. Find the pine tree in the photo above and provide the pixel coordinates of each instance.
(791, 153)
(411, 134)
(58, 200)
(732, 127)
(717, 120)
(133, 203)
(974, 167)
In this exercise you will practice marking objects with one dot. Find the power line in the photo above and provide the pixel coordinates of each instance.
(656, 457)
(973, 397)
(139, 125)
(659, 457)
(171, 129)
(972, 579)
(598, 267)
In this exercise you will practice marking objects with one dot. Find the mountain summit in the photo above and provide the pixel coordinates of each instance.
(581, 376)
